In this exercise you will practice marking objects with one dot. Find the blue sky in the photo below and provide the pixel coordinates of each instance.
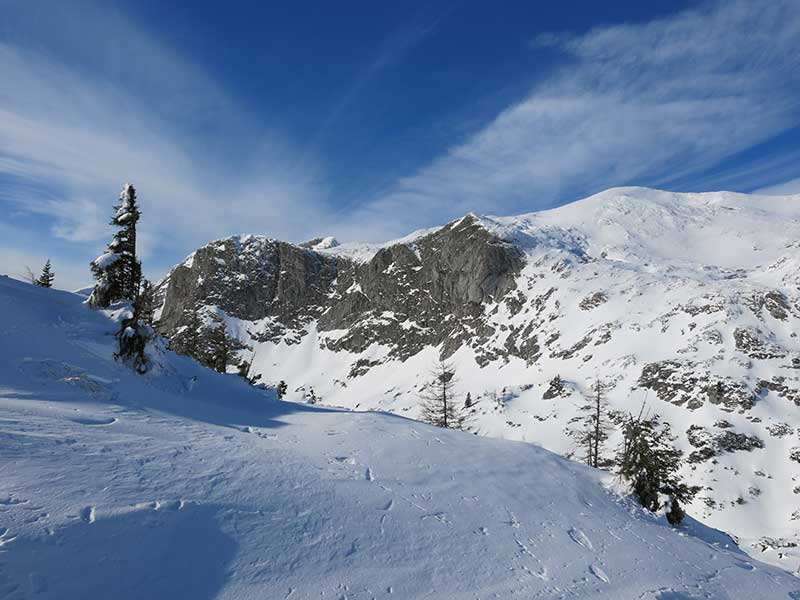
(366, 120)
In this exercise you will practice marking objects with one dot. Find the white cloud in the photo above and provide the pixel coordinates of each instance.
(70, 136)
(643, 103)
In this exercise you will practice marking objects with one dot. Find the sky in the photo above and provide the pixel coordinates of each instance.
(367, 120)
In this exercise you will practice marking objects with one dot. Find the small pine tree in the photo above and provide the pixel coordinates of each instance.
(649, 463)
(117, 271)
(46, 278)
(468, 401)
(593, 427)
(281, 389)
(439, 405)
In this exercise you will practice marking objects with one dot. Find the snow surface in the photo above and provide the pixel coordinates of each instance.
(190, 484)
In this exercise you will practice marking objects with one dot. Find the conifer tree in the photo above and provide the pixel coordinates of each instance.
(439, 404)
(117, 271)
(135, 330)
(649, 463)
(593, 427)
(281, 389)
(468, 401)
(132, 338)
(47, 276)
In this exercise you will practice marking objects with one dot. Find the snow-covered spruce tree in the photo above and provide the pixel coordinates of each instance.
(439, 404)
(649, 462)
(47, 276)
(592, 427)
(136, 330)
(117, 271)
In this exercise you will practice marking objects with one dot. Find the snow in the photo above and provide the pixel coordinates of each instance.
(106, 260)
(362, 252)
(190, 484)
(325, 243)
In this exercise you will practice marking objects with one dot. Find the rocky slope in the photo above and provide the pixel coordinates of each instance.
(689, 302)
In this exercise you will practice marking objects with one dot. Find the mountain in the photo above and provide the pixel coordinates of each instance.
(186, 483)
(689, 303)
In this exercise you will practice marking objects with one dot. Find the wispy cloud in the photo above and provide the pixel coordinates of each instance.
(404, 39)
(70, 136)
(644, 103)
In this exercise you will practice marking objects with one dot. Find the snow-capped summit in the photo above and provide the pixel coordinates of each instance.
(321, 243)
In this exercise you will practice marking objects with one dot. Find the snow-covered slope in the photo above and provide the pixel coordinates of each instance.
(688, 301)
(190, 484)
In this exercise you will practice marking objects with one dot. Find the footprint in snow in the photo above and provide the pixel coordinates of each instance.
(599, 573)
(580, 538)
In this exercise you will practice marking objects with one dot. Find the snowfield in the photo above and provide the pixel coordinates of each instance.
(189, 484)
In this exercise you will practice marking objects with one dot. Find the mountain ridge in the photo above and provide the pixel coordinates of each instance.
(689, 302)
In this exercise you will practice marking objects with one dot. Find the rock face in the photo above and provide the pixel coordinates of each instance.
(687, 303)
(249, 278)
(407, 296)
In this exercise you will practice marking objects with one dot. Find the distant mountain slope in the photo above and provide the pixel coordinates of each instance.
(688, 301)
(189, 484)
